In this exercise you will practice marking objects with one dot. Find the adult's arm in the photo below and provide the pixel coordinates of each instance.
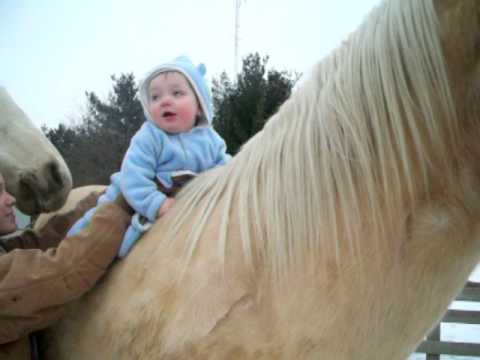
(35, 285)
(53, 231)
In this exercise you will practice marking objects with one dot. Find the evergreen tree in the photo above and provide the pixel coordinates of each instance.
(114, 121)
(242, 108)
(94, 149)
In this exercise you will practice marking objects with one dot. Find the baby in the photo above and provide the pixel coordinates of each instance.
(176, 139)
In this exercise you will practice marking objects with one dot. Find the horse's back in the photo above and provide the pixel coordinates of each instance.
(74, 197)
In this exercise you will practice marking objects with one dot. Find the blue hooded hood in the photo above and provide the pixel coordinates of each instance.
(195, 76)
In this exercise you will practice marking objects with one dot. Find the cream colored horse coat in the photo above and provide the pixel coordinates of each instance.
(341, 231)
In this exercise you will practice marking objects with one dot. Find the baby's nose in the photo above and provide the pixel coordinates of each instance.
(166, 100)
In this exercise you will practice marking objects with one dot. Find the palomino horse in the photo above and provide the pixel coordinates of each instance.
(340, 231)
(34, 171)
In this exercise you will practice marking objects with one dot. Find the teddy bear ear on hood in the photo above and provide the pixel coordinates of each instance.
(195, 76)
(202, 69)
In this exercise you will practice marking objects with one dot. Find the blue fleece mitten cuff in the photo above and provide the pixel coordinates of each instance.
(138, 226)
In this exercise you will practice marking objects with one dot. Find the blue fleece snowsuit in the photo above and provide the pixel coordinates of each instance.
(155, 154)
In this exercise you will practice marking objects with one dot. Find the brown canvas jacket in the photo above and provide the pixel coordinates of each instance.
(37, 280)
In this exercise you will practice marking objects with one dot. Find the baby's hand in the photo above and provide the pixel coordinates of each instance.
(167, 204)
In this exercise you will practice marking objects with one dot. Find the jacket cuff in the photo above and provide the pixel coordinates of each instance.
(152, 211)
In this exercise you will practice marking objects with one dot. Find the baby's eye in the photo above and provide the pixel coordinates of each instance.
(154, 97)
(178, 93)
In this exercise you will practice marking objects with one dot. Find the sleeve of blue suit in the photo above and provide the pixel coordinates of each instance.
(138, 174)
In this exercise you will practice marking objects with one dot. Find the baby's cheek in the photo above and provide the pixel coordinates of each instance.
(155, 115)
(187, 114)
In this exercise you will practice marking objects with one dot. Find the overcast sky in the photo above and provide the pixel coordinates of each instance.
(52, 51)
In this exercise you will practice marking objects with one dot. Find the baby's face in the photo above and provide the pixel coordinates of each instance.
(173, 105)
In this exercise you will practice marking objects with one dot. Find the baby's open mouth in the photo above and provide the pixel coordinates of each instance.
(168, 114)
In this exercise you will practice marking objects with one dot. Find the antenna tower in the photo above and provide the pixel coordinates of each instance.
(238, 3)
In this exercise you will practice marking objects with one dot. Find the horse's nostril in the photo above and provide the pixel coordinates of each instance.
(27, 188)
(28, 180)
(54, 171)
(24, 185)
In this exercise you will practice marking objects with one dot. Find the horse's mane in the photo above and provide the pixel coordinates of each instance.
(349, 154)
